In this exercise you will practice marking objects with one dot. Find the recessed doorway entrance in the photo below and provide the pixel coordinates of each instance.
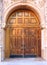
(23, 35)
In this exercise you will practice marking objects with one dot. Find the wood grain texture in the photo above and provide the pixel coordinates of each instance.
(24, 34)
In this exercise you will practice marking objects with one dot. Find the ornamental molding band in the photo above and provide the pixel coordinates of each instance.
(7, 3)
(10, 6)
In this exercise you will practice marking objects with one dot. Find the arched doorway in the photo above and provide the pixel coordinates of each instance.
(23, 34)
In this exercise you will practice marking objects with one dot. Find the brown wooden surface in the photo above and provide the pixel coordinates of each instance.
(24, 34)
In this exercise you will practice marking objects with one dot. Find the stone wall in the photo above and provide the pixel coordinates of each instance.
(0, 28)
(40, 4)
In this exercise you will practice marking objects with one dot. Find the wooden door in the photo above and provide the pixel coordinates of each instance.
(16, 42)
(24, 34)
(32, 42)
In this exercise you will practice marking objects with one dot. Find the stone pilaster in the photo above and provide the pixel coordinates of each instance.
(46, 13)
(43, 42)
(46, 31)
(1, 29)
(46, 45)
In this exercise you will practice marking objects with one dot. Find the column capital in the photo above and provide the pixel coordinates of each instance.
(42, 28)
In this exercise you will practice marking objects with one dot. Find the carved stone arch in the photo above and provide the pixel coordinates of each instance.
(27, 5)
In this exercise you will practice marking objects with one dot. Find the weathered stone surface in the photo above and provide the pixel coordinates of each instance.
(42, 6)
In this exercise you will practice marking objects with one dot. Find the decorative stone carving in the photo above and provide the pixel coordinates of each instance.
(0, 11)
(6, 3)
(42, 2)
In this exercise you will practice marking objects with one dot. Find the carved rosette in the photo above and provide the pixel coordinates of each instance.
(42, 3)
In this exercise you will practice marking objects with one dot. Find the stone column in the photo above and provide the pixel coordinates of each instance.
(2, 45)
(46, 44)
(46, 30)
(0, 28)
(2, 37)
(43, 42)
(0, 52)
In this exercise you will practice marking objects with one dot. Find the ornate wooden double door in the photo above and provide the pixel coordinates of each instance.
(24, 33)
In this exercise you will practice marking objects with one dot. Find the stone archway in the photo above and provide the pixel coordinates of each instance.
(27, 5)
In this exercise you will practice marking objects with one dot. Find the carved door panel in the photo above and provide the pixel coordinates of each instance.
(30, 42)
(24, 34)
(16, 42)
